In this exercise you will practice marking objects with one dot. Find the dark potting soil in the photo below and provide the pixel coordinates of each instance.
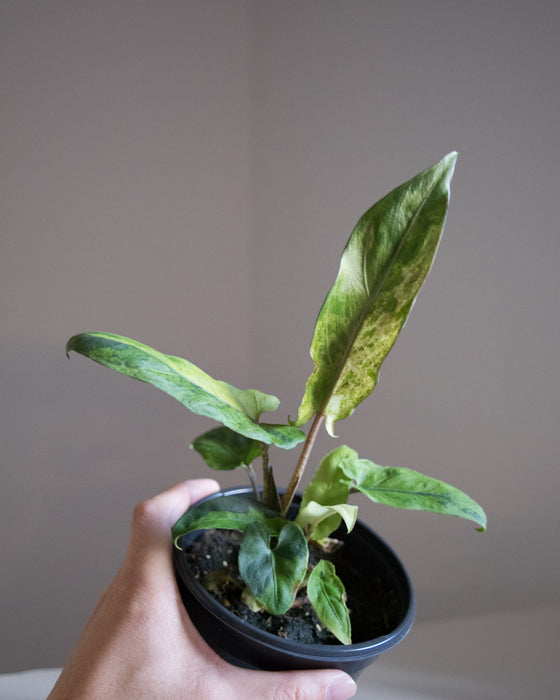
(373, 605)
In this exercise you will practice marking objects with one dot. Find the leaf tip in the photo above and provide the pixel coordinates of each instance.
(448, 163)
(69, 347)
(329, 426)
(482, 524)
(482, 520)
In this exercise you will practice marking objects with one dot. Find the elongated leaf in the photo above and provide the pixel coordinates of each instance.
(383, 266)
(224, 449)
(405, 488)
(273, 573)
(317, 519)
(198, 391)
(230, 512)
(327, 595)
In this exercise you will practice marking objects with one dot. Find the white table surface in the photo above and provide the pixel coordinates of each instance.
(501, 656)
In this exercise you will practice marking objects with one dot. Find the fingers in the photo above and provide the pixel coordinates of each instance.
(292, 685)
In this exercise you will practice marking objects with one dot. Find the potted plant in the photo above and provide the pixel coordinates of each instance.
(283, 556)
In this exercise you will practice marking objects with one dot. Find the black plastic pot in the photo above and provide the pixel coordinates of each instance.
(244, 645)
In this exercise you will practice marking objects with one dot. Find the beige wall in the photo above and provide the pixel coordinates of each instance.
(126, 144)
(187, 173)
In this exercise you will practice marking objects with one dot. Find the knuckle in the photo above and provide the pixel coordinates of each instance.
(145, 513)
(292, 690)
(148, 523)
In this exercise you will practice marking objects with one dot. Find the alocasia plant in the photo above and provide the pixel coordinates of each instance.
(383, 266)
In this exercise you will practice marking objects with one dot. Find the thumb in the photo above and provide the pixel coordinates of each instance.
(148, 553)
(292, 685)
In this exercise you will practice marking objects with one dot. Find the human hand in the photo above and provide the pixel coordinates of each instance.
(141, 644)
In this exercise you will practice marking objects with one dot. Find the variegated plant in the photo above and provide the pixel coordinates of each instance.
(384, 264)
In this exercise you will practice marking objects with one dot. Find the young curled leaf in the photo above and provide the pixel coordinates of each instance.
(329, 487)
(273, 573)
(230, 512)
(317, 520)
(327, 595)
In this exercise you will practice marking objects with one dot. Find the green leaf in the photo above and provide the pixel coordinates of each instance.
(316, 519)
(329, 487)
(273, 573)
(198, 391)
(327, 595)
(224, 449)
(405, 488)
(384, 264)
(230, 512)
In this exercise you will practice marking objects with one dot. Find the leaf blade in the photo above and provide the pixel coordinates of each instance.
(327, 595)
(318, 519)
(408, 489)
(192, 387)
(329, 487)
(383, 266)
(273, 574)
(230, 512)
(224, 449)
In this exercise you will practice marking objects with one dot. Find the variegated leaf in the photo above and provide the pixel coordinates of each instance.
(237, 409)
(383, 266)
(317, 519)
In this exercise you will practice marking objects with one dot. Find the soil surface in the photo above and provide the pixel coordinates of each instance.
(373, 605)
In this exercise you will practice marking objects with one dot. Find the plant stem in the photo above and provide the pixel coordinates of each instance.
(270, 492)
(253, 480)
(302, 462)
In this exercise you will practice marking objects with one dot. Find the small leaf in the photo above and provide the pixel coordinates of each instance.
(316, 519)
(273, 574)
(329, 487)
(250, 601)
(198, 391)
(230, 512)
(383, 266)
(327, 595)
(405, 488)
(224, 449)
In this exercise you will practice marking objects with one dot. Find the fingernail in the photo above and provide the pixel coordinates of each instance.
(342, 689)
